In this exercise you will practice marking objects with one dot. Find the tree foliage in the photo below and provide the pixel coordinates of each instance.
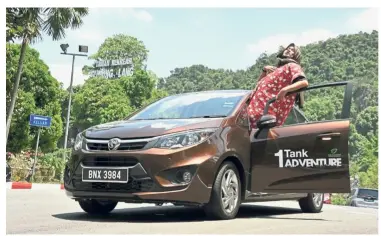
(28, 24)
(39, 93)
(102, 100)
(13, 24)
(98, 101)
(119, 47)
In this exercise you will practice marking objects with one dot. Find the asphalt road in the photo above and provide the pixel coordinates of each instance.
(51, 212)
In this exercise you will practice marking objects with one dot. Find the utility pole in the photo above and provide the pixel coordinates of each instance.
(81, 49)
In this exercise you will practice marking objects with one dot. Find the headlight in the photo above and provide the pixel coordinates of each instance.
(78, 142)
(184, 139)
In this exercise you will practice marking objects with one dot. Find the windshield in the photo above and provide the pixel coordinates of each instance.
(363, 193)
(192, 105)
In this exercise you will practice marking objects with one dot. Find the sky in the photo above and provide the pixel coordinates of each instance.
(216, 37)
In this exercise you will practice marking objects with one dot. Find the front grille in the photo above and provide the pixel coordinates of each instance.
(115, 161)
(133, 186)
(92, 146)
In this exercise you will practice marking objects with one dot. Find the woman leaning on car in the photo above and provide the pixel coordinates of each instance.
(277, 81)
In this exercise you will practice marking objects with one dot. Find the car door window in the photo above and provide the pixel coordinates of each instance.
(295, 116)
(300, 116)
(291, 118)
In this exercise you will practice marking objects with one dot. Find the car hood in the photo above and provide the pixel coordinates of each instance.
(148, 128)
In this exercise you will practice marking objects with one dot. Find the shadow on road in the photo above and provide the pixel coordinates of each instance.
(171, 214)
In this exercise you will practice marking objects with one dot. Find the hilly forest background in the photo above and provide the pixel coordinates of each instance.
(347, 57)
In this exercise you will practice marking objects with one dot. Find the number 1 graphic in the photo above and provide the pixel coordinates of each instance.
(280, 155)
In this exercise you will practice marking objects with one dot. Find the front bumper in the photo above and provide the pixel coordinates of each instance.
(150, 175)
(183, 196)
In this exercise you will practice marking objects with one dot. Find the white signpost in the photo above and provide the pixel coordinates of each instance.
(38, 121)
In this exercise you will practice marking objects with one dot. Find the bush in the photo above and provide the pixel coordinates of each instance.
(49, 166)
(52, 165)
(339, 199)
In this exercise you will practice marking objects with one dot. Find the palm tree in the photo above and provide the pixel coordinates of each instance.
(28, 24)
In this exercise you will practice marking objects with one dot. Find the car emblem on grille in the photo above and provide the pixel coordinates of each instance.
(113, 144)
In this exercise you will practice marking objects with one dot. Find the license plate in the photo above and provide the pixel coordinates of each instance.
(111, 175)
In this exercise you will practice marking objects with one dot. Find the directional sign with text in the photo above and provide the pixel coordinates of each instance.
(40, 121)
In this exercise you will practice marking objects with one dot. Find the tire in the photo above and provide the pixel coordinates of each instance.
(215, 208)
(95, 207)
(313, 203)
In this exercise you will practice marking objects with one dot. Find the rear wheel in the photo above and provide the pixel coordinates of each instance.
(225, 198)
(313, 203)
(97, 207)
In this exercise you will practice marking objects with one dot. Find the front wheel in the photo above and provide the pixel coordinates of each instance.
(313, 203)
(226, 194)
(95, 207)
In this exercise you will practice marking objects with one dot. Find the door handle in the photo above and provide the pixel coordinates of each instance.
(328, 136)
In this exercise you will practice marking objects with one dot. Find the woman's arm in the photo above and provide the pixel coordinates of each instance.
(297, 85)
(290, 88)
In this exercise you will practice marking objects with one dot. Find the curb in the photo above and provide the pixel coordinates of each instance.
(26, 185)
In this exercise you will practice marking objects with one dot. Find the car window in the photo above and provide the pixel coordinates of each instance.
(363, 193)
(295, 116)
(300, 116)
(291, 118)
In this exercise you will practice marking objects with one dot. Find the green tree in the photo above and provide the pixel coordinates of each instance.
(13, 25)
(138, 87)
(99, 101)
(367, 121)
(369, 179)
(34, 21)
(119, 47)
(39, 93)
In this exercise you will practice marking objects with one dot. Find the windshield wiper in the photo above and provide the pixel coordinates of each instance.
(212, 116)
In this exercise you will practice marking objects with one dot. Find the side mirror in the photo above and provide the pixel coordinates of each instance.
(266, 121)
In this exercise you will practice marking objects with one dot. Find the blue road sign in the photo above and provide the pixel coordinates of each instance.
(40, 121)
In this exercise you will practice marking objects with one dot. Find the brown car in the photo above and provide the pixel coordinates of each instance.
(198, 149)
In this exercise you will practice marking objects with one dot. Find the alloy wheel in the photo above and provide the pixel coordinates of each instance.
(229, 191)
(317, 199)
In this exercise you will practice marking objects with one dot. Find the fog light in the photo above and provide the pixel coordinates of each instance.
(179, 176)
(187, 176)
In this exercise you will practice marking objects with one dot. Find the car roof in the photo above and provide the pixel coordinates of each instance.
(367, 188)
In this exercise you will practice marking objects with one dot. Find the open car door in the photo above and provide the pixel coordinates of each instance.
(309, 157)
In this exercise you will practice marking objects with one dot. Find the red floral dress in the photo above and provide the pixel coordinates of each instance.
(269, 87)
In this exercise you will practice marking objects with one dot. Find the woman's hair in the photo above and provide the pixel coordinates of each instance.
(297, 56)
(296, 59)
